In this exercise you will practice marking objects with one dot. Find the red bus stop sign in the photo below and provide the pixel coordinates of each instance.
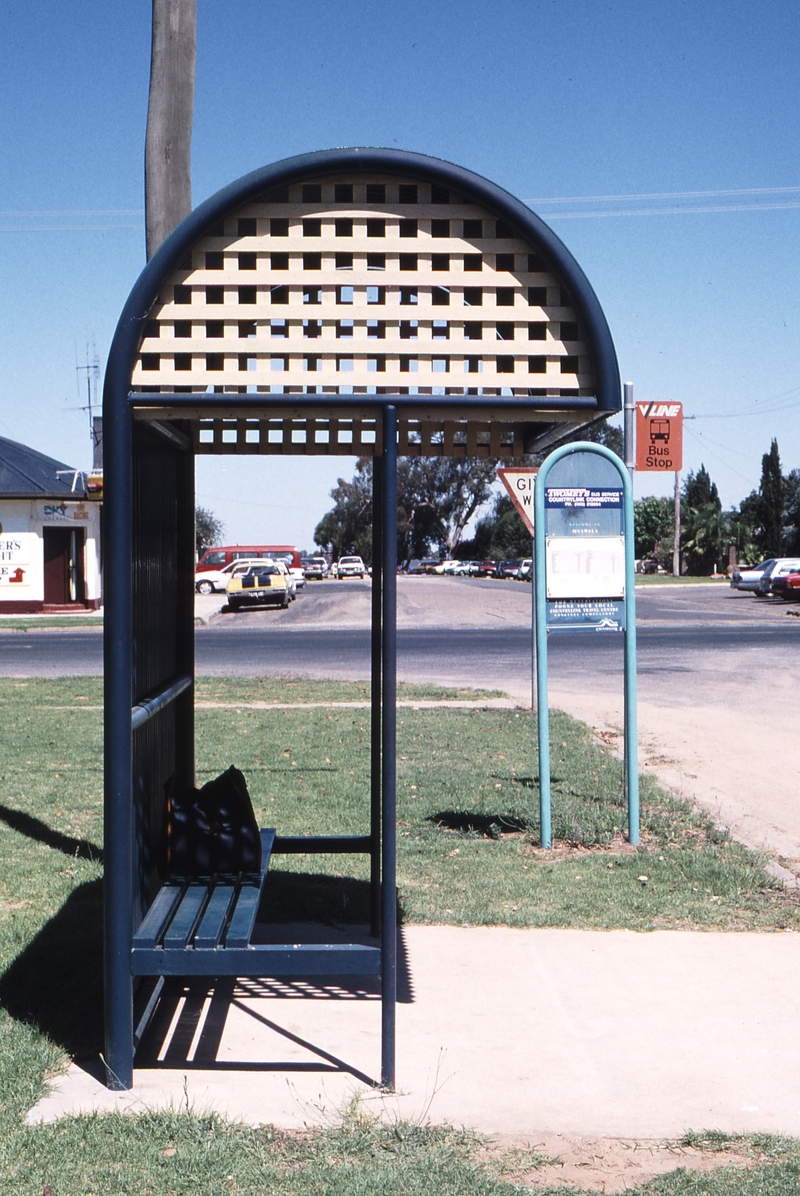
(659, 437)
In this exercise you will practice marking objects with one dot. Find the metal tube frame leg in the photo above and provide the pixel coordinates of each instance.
(389, 753)
(376, 674)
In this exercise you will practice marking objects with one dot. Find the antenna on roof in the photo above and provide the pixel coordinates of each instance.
(92, 372)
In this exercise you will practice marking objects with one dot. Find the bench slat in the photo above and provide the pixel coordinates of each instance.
(159, 914)
(273, 959)
(188, 912)
(209, 932)
(244, 915)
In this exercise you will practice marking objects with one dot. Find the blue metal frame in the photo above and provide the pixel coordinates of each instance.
(540, 598)
(119, 494)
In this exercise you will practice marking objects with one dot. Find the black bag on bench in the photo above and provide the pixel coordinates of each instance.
(212, 829)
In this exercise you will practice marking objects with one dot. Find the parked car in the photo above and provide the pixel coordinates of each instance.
(759, 579)
(487, 568)
(291, 580)
(509, 568)
(526, 570)
(217, 579)
(430, 564)
(751, 577)
(782, 569)
(316, 568)
(787, 587)
(350, 566)
(264, 584)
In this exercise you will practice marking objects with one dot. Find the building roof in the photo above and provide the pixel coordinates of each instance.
(26, 473)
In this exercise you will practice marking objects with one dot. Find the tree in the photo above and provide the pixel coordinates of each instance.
(771, 494)
(500, 535)
(347, 528)
(699, 491)
(601, 432)
(168, 142)
(703, 526)
(654, 528)
(436, 498)
(207, 529)
(791, 516)
(743, 525)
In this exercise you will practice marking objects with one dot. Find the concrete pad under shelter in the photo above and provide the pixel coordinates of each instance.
(507, 1031)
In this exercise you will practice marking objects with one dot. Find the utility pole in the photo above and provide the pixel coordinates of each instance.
(170, 110)
(676, 548)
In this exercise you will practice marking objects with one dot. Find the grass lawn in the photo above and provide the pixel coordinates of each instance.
(43, 622)
(467, 853)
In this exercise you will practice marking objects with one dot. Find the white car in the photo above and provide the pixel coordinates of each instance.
(350, 566)
(217, 579)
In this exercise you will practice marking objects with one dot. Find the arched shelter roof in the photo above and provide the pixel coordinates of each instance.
(286, 309)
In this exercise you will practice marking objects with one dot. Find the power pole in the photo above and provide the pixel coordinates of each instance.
(168, 144)
(676, 548)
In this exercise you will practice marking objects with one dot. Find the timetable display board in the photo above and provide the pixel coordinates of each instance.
(584, 557)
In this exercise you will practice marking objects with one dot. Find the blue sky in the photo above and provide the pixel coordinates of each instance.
(659, 139)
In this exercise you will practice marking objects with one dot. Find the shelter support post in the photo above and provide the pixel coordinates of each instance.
(118, 797)
(184, 647)
(376, 672)
(388, 753)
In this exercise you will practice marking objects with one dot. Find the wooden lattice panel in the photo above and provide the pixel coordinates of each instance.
(379, 284)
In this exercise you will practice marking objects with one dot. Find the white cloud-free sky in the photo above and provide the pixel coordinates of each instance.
(660, 140)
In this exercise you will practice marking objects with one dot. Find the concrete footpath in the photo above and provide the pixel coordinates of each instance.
(520, 1032)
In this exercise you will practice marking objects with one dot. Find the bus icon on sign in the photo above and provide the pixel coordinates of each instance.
(659, 430)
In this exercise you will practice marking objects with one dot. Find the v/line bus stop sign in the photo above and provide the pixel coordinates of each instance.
(659, 437)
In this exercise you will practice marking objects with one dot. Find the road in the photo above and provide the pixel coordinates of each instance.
(717, 689)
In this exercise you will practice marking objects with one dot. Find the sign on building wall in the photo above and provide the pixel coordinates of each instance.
(659, 437)
(16, 551)
(64, 512)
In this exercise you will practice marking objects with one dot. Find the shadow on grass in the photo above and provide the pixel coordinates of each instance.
(490, 826)
(315, 897)
(34, 828)
(56, 983)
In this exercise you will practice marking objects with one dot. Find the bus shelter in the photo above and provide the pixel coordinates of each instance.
(355, 302)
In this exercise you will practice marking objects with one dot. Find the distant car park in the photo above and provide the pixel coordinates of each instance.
(760, 579)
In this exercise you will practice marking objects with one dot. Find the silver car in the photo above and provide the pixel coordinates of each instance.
(758, 578)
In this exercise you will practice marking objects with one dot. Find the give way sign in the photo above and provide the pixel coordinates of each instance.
(519, 482)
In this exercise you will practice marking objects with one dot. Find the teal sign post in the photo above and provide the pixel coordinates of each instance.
(584, 581)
